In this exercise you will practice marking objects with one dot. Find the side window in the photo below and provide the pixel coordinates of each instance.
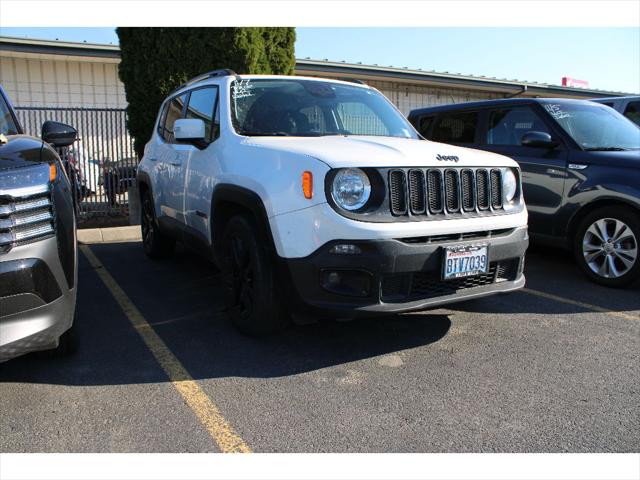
(507, 126)
(174, 112)
(632, 112)
(424, 124)
(202, 104)
(456, 128)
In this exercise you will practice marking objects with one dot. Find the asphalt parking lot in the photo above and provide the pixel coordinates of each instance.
(555, 368)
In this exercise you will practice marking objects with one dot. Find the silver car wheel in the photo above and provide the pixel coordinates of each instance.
(610, 248)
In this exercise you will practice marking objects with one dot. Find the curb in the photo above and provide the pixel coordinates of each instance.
(109, 234)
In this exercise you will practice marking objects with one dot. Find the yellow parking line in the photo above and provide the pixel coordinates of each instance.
(206, 411)
(588, 306)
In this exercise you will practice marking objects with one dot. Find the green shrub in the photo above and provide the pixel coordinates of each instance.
(155, 61)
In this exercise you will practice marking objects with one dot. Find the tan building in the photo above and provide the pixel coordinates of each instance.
(67, 74)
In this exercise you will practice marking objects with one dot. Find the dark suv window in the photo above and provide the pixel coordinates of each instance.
(456, 128)
(202, 104)
(632, 112)
(424, 125)
(173, 111)
(507, 126)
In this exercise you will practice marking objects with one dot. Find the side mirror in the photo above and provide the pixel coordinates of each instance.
(58, 134)
(538, 140)
(190, 130)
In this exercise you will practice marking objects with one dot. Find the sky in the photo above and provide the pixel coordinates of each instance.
(608, 58)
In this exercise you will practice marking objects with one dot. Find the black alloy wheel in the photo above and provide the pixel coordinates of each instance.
(251, 288)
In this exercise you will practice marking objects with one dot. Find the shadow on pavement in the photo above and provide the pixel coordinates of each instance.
(181, 299)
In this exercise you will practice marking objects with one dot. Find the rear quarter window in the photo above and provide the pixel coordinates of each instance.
(455, 128)
(423, 125)
(632, 112)
(172, 112)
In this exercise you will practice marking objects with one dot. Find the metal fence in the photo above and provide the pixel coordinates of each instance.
(101, 164)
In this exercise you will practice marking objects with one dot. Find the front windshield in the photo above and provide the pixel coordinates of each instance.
(310, 108)
(594, 126)
(7, 125)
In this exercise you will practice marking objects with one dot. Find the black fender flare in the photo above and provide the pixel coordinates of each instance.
(244, 199)
(143, 178)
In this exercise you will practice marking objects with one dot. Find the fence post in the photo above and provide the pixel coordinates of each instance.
(134, 205)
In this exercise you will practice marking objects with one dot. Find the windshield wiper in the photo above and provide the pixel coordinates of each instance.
(606, 149)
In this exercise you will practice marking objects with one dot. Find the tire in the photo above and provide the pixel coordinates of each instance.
(155, 243)
(606, 246)
(250, 281)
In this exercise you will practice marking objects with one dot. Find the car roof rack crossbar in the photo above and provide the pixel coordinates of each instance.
(223, 72)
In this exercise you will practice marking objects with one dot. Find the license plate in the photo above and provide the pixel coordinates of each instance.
(465, 261)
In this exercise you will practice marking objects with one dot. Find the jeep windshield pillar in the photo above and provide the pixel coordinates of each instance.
(317, 197)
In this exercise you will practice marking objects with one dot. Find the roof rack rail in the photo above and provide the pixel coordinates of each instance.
(223, 72)
(353, 80)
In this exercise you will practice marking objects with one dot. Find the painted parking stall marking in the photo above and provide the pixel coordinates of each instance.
(223, 434)
(588, 306)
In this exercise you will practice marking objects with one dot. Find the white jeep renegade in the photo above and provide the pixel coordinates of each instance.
(318, 197)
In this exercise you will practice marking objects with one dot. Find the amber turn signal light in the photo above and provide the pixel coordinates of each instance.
(307, 184)
(52, 172)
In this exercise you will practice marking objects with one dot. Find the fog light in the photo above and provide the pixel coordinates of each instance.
(354, 283)
(345, 249)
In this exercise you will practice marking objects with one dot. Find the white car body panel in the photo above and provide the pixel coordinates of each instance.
(184, 178)
(298, 234)
(370, 151)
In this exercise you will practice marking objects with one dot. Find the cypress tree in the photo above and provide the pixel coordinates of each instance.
(155, 61)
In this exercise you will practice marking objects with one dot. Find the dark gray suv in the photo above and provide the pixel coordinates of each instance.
(580, 166)
(38, 253)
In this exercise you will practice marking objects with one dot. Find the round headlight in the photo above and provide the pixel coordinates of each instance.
(509, 185)
(351, 188)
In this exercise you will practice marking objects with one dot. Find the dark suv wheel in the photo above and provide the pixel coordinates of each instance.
(251, 289)
(606, 246)
(155, 243)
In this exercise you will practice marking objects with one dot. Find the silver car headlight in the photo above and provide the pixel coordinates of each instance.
(351, 188)
(509, 186)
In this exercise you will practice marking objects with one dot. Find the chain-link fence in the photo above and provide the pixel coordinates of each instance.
(101, 164)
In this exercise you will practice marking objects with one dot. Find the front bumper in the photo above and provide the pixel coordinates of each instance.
(393, 276)
(37, 303)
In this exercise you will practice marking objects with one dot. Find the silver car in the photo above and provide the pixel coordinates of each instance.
(38, 252)
(628, 106)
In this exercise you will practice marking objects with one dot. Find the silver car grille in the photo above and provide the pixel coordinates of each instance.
(25, 219)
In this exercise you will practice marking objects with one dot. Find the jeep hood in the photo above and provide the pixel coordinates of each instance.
(370, 151)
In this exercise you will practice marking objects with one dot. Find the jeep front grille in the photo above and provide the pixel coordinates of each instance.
(439, 192)
(25, 220)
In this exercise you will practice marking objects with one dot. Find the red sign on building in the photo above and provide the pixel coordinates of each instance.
(574, 82)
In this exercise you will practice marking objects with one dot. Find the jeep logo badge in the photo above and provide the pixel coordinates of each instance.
(447, 158)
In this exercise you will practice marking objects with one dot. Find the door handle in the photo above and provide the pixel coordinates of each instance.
(153, 159)
(176, 163)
